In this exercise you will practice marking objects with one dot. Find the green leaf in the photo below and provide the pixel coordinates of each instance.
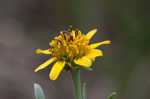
(112, 96)
(84, 91)
(38, 91)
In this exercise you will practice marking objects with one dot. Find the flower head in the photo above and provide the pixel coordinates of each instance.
(71, 47)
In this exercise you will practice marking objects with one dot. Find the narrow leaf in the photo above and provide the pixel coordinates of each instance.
(112, 96)
(84, 91)
(38, 91)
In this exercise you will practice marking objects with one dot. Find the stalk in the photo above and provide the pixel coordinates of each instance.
(77, 84)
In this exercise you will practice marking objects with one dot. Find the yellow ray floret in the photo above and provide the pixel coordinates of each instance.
(39, 51)
(84, 61)
(95, 45)
(91, 33)
(45, 64)
(94, 53)
(56, 70)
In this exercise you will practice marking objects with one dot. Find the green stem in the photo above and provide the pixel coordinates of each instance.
(77, 85)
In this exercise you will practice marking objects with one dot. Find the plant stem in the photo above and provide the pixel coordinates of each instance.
(77, 85)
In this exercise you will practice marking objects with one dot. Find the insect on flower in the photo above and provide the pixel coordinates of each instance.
(71, 47)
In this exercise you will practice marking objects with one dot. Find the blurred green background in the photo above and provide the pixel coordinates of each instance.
(26, 25)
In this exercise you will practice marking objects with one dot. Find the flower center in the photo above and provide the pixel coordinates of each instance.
(69, 45)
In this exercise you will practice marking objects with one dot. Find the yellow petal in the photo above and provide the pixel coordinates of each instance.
(39, 51)
(100, 43)
(90, 34)
(45, 64)
(92, 53)
(84, 61)
(56, 69)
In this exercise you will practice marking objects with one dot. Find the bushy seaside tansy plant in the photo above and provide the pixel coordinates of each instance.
(71, 49)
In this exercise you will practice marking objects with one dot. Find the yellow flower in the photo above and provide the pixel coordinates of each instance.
(71, 47)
